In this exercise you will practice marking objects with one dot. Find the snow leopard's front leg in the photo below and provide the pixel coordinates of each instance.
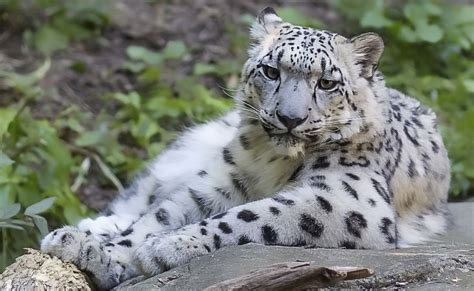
(160, 200)
(324, 213)
(110, 262)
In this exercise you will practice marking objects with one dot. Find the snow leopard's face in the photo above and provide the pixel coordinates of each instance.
(304, 85)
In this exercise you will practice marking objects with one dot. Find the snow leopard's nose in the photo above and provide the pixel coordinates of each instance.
(289, 121)
(292, 102)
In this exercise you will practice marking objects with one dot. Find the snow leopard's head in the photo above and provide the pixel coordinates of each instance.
(309, 87)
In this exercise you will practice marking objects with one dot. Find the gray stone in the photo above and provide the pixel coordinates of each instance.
(446, 264)
(462, 228)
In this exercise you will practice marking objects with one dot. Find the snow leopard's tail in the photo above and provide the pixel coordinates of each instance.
(416, 228)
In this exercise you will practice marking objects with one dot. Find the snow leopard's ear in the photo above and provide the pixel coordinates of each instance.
(267, 21)
(368, 48)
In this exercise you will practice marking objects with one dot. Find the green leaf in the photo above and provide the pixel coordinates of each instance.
(463, 14)
(145, 128)
(9, 225)
(5, 161)
(40, 207)
(132, 98)
(7, 115)
(469, 32)
(108, 173)
(375, 18)
(415, 13)
(469, 85)
(83, 170)
(5, 190)
(430, 33)
(150, 75)
(72, 215)
(174, 50)
(20, 222)
(134, 67)
(47, 40)
(204, 69)
(407, 34)
(139, 53)
(89, 138)
(26, 84)
(9, 211)
(431, 8)
(41, 224)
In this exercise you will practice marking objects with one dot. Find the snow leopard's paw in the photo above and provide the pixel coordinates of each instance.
(80, 248)
(104, 228)
(159, 254)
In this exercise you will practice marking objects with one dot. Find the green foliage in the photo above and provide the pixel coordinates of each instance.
(36, 163)
(429, 55)
(42, 158)
(153, 115)
(61, 21)
(11, 222)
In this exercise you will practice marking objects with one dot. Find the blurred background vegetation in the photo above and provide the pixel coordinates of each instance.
(90, 90)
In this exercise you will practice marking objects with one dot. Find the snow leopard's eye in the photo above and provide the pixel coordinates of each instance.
(271, 72)
(326, 85)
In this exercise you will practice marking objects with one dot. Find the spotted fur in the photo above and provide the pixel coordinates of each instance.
(317, 152)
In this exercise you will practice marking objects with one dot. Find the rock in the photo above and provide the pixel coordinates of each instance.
(37, 271)
(402, 268)
(445, 264)
(442, 265)
(462, 229)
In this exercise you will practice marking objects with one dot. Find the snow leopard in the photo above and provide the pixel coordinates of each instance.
(318, 151)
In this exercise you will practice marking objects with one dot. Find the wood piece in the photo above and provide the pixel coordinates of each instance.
(292, 276)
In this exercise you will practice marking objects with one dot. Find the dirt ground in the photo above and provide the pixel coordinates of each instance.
(200, 24)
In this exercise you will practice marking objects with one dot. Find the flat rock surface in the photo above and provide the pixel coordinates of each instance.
(443, 265)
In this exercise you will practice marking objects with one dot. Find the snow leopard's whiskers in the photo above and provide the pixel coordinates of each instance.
(232, 93)
(345, 120)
